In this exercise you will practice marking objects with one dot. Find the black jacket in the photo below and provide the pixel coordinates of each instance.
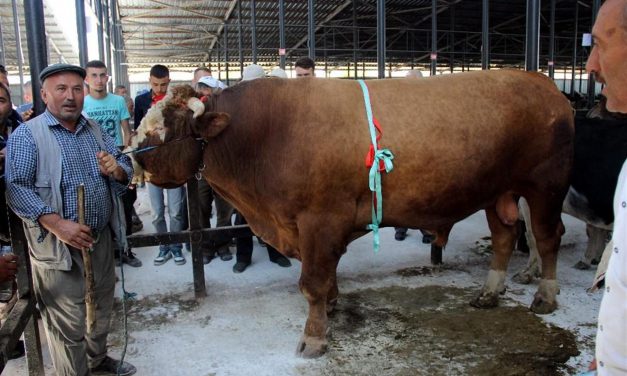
(142, 104)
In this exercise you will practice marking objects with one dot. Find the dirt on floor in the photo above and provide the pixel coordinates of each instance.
(430, 330)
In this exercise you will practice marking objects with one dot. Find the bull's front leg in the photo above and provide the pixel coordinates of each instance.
(319, 286)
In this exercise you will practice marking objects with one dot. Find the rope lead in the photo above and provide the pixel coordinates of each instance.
(381, 161)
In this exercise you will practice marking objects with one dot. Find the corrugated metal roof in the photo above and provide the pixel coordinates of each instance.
(186, 33)
(59, 48)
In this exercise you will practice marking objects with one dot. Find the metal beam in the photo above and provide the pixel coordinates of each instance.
(552, 41)
(532, 35)
(575, 44)
(99, 27)
(18, 45)
(434, 37)
(282, 33)
(253, 25)
(311, 32)
(81, 30)
(239, 36)
(485, 36)
(381, 38)
(327, 19)
(37, 48)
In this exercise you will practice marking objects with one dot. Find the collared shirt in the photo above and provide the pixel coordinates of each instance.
(79, 166)
(611, 344)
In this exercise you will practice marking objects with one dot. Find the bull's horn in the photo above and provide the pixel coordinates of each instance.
(196, 106)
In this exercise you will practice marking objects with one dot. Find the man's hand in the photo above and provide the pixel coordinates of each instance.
(71, 233)
(3, 153)
(109, 166)
(8, 267)
(26, 115)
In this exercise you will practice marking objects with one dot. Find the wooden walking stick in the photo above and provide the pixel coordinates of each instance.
(90, 301)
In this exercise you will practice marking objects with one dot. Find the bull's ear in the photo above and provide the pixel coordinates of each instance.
(210, 124)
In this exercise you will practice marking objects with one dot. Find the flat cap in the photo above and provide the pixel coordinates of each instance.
(59, 68)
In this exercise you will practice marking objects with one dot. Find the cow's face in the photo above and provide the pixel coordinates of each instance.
(178, 152)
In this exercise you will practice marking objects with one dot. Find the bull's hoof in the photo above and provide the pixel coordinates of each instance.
(489, 300)
(311, 347)
(523, 278)
(582, 265)
(542, 306)
(331, 306)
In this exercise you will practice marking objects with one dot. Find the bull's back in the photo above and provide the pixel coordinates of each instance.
(457, 140)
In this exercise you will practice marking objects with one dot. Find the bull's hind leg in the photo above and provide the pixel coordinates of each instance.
(548, 229)
(320, 255)
(532, 270)
(503, 240)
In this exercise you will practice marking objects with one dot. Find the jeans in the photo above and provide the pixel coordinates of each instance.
(176, 212)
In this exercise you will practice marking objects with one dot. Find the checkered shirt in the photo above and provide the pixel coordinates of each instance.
(79, 165)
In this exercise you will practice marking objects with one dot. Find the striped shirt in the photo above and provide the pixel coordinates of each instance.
(79, 166)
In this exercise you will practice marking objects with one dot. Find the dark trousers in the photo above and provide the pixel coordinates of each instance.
(224, 210)
(245, 245)
(128, 200)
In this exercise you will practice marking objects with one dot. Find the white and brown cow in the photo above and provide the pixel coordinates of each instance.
(289, 155)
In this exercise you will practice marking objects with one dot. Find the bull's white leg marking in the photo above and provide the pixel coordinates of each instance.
(545, 300)
(495, 284)
(548, 288)
(489, 296)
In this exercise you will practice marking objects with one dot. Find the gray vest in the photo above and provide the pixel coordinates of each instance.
(51, 253)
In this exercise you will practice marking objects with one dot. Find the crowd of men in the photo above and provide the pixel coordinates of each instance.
(78, 141)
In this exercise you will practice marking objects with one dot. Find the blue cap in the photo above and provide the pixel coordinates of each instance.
(59, 68)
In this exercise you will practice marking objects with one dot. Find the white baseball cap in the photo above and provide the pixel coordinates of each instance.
(211, 82)
(278, 72)
(252, 72)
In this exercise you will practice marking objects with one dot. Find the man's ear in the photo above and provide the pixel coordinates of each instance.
(210, 124)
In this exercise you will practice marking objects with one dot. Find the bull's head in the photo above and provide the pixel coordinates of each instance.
(175, 126)
(166, 127)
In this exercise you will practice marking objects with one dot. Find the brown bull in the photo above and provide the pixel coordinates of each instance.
(289, 155)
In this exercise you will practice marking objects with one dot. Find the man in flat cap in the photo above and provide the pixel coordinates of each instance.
(48, 158)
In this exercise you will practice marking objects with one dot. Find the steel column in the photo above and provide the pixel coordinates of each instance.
(253, 25)
(552, 41)
(355, 36)
(485, 35)
(282, 33)
(81, 30)
(226, 51)
(311, 40)
(434, 36)
(239, 40)
(117, 43)
(107, 26)
(452, 38)
(99, 29)
(533, 35)
(381, 38)
(37, 48)
(575, 40)
(18, 45)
